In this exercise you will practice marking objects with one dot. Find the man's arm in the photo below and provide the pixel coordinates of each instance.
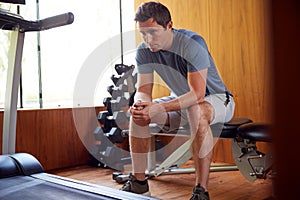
(143, 95)
(197, 84)
(144, 87)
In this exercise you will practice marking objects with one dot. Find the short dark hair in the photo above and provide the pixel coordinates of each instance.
(155, 10)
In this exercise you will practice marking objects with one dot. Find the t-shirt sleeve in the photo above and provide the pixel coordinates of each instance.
(197, 54)
(143, 60)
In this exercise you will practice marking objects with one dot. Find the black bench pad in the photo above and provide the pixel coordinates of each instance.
(255, 132)
(228, 129)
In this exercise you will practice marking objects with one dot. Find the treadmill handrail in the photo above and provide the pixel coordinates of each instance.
(9, 21)
(56, 21)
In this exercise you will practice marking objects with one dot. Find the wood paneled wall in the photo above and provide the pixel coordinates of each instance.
(52, 136)
(238, 34)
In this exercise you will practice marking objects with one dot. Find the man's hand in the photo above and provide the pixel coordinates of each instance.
(140, 113)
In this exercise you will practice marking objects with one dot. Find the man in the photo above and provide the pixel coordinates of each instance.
(198, 95)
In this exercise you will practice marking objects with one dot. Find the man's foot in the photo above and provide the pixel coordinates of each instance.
(199, 193)
(135, 186)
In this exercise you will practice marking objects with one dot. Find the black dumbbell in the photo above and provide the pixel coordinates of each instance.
(119, 177)
(117, 80)
(121, 68)
(102, 115)
(118, 104)
(115, 175)
(115, 135)
(98, 133)
(109, 124)
(114, 91)
(106, 101)
(121, 118)
(111, 155)
(117, 91)
(107, 104)
(106, 121)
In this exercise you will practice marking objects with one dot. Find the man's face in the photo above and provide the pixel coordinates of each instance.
(155, 36)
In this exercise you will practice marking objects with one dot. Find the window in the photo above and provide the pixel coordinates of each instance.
(65, 50)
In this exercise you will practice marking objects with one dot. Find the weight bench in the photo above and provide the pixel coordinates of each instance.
(244, 134)
(180, 156)
(250, 161)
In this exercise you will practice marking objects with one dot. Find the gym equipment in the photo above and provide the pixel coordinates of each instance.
(14, 1)
(23, 177)
(244, 133)
(119, 103)
(123, 69)
(19, 26)
(113, 122)
(102, 115)
(251, 162)
(106, 121)
(182, 154)
(115, 135)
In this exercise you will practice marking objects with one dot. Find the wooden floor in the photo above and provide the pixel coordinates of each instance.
(230, 185)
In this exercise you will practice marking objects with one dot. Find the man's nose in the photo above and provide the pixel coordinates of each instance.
(148, 38)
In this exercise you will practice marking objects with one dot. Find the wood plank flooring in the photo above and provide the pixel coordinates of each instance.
(230, 185)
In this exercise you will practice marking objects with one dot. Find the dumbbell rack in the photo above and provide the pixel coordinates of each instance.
(112, 148)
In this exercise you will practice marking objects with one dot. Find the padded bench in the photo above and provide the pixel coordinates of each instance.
(244, 133)
(259, 132)
(252, 162)
(229, 129)
(182, 154)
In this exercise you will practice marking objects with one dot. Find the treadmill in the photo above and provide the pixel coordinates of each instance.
(23, 177)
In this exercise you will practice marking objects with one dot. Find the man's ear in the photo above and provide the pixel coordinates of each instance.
(170, 25)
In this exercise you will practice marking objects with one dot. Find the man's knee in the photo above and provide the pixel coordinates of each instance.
(202, 112)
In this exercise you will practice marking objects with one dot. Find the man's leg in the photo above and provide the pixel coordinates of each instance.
(200, 117)
(139, 140)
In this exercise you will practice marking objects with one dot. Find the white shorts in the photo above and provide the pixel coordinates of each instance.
(222, 112)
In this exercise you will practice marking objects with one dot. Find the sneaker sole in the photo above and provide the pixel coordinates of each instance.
(144, 194)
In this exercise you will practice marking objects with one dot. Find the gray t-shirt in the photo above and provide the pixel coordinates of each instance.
(189, 53)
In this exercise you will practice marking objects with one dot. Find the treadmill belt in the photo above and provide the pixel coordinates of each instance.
(28, 188)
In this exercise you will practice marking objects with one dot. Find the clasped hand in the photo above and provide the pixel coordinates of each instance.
(140, 112)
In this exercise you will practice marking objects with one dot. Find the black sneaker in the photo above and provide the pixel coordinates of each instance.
(199, 193)
(133, 186)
